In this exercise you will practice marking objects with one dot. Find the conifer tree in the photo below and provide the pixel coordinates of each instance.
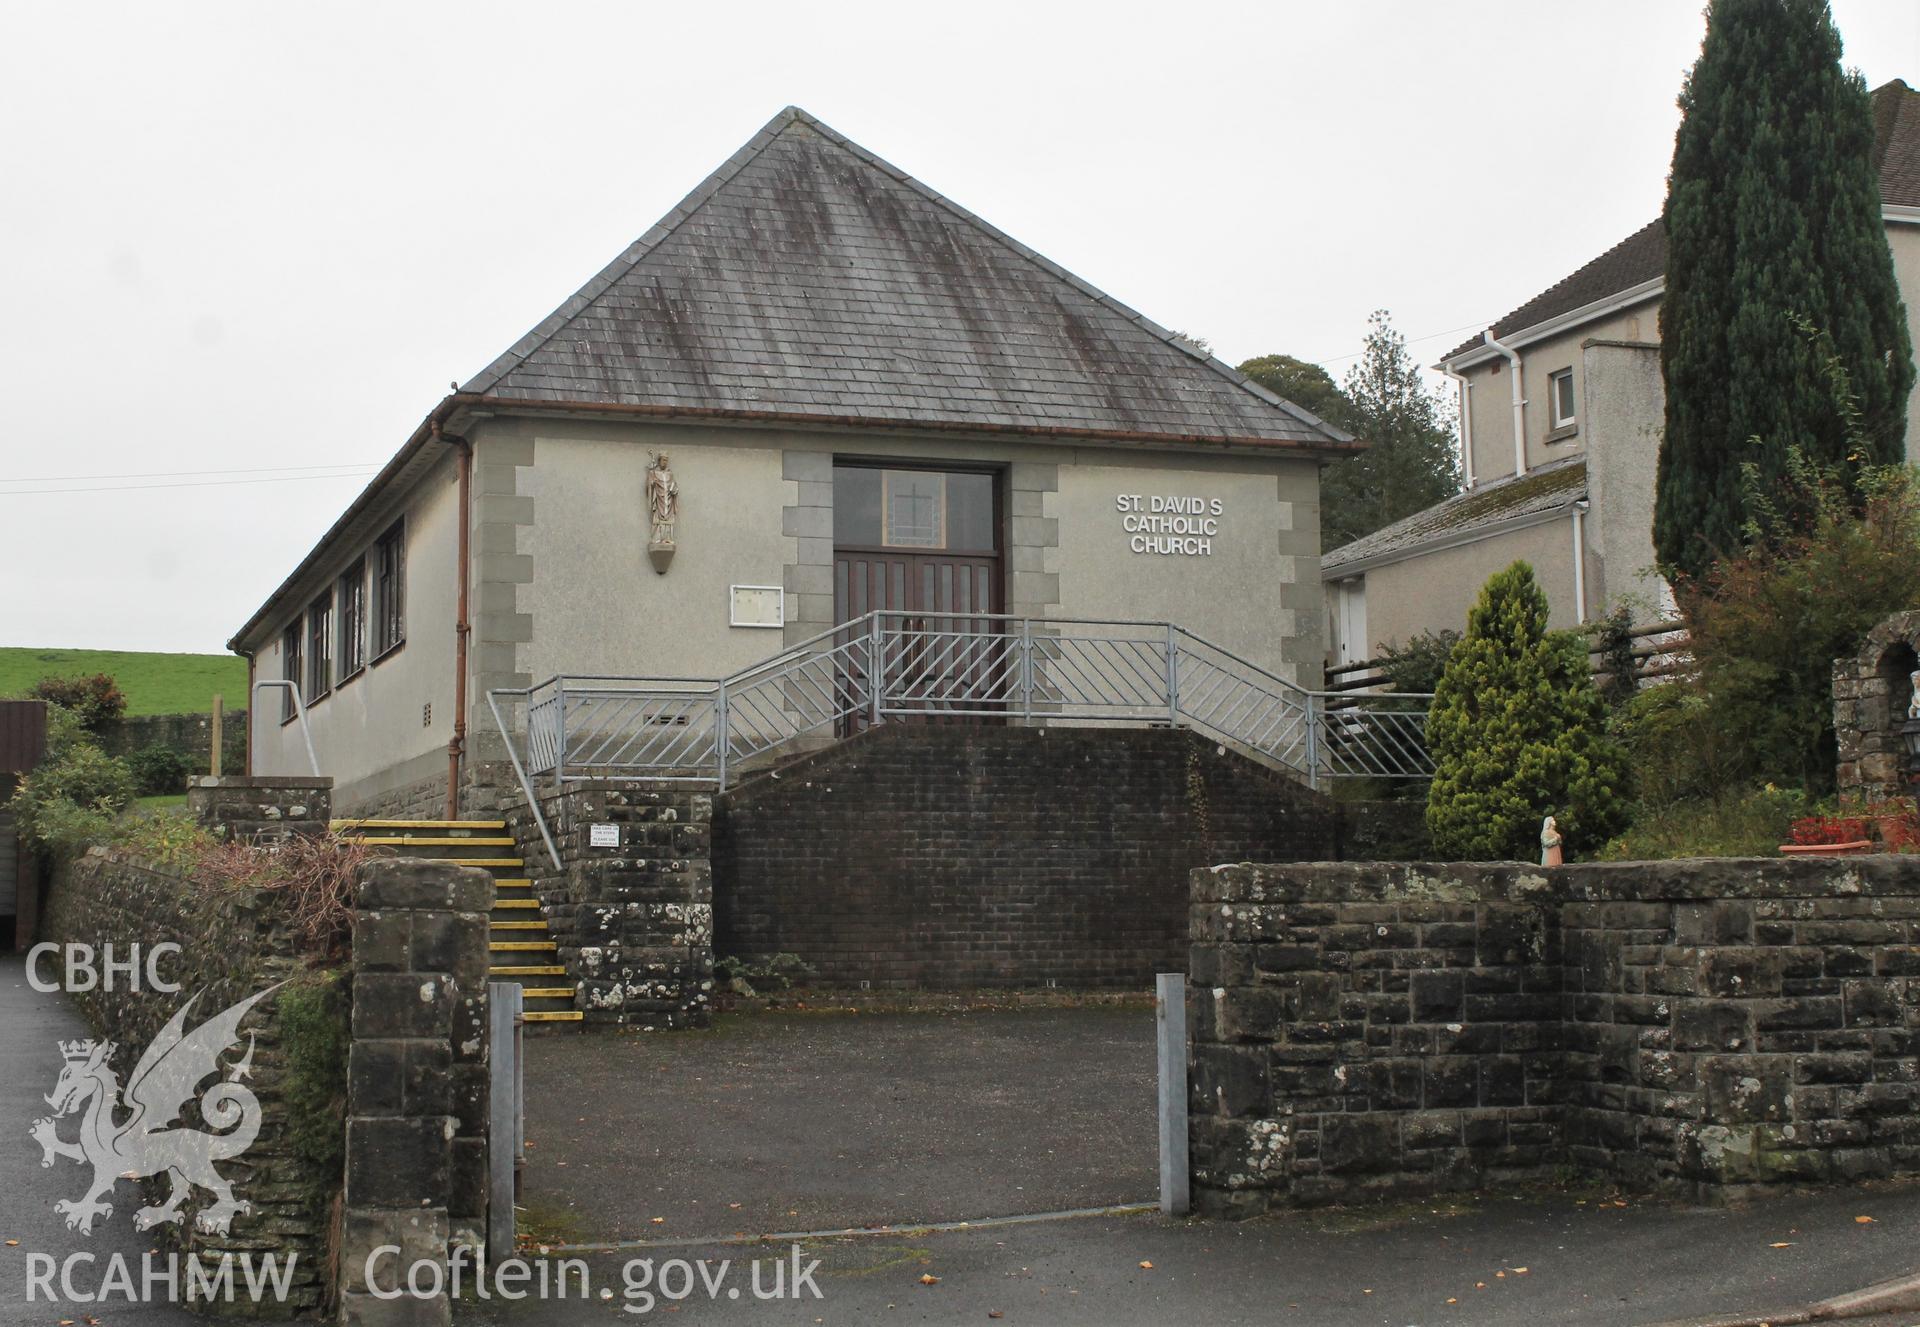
(1518, 733)
(1772, 215)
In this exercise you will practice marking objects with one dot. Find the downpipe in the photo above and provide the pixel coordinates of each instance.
(1515, 365)
(462, 627)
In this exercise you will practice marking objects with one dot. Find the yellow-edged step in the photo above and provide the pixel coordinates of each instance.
(439, 825)
(519, 926)
(553, 1016)
(520, 946)
(531, 970)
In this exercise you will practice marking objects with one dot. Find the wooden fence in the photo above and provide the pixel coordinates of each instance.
(1659, 651)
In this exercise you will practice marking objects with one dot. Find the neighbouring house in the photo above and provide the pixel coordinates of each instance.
(865, 397)
(1561, 409)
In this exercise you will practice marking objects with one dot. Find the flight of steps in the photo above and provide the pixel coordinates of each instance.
(520, 948)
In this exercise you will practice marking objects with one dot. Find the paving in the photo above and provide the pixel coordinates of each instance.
(810, 1121)
(1570, 1257)
(32, 1026)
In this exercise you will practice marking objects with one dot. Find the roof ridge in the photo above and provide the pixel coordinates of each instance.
(631, 257)
(635, 253)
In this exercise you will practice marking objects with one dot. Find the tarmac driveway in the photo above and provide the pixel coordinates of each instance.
(802, 1121)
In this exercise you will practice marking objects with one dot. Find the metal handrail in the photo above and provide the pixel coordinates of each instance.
(892, 663)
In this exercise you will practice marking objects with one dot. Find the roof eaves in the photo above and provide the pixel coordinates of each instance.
(1467, 356)
(376, 488)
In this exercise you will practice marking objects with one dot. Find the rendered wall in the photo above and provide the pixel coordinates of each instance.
(1491, 399)
(390, 724)
(1433, 592)
(1625, 405)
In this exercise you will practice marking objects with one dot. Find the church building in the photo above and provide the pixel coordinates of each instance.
(815, 389)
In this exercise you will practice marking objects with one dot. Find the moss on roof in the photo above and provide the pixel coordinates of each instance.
(1545, 489)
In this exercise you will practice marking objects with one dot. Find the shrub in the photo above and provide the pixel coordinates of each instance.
(1737, 823)
(313, 1031)
(159, 770)
(314, 875)
(1416, 666)
(1518, 733)
(1613, 642)
(1823, 831)
(72, 798)
(1679, 747)
(96, 698)
(169, 839)
(1767, 625)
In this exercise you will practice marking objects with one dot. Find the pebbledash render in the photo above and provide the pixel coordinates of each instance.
(865, 397)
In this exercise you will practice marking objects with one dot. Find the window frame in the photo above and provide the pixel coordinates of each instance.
(320, 647)
(1554, 381)
(292, 664)
(387, 597)
(350, 654)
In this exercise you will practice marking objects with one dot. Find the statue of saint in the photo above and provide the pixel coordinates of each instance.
(1550, 852)
(663, 502)
(1913, 685)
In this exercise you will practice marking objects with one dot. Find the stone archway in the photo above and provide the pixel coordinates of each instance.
(1871, 691)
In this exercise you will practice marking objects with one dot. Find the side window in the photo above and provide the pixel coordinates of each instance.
(353, 619)
(320, 647)
(290, 669)
(390, 590)
(1560, 397)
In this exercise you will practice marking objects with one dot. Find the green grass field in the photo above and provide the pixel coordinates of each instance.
(154, 683)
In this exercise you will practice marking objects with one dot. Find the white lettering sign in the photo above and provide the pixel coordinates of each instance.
(1180, 524)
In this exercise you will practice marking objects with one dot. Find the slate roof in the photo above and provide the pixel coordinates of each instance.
(808, 278)
(1547, 488)
(1642, 256)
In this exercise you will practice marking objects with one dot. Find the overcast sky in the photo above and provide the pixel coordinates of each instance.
(248, 237)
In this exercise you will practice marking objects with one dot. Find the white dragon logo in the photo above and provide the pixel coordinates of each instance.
(142, 1144)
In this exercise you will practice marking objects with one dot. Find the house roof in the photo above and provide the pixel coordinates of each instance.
(1642, 256)
(808, 278)
(1538, 493)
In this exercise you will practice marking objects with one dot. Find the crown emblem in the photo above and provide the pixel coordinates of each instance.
(76, 1050)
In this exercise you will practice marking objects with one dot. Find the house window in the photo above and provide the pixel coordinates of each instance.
(389, 590)
(353, 619)
(320, 647)
(289, 669)
(1560, 395)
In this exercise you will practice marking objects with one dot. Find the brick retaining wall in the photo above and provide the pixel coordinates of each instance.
(951, 857)
(1701, 1025)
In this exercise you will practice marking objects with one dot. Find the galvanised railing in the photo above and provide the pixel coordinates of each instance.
(892, 665)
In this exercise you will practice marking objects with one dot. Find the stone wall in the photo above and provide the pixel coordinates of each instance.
(633, 919)
(417, 1108)
(1871, 692)
(262, 807)
(233, 944)
(1703, 1026)
(969, 856)
(189, 734)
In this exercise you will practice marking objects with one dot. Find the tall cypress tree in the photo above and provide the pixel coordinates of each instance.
(1773, 212)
